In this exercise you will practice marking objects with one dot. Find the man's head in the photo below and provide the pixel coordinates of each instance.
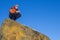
(16, 6)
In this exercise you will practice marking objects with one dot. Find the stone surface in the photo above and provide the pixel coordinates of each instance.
(12, 30)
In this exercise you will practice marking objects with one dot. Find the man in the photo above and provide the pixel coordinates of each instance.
(14, 13)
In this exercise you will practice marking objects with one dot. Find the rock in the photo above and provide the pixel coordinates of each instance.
(12, 30)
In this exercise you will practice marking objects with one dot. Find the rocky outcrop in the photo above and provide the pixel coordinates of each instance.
(12, 30)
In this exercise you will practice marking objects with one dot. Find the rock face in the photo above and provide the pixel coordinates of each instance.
(12, 30)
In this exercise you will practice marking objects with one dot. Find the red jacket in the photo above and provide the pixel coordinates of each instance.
(13, 10)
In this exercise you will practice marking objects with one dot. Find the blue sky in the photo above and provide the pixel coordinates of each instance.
(40, 15)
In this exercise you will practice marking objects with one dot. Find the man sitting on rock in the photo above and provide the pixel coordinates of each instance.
(14, 13)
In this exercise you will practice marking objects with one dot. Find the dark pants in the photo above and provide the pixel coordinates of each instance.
(14, 16)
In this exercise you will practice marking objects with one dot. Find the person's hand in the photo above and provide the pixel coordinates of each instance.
(17, 11)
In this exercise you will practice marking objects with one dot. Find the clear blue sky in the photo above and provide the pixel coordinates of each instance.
(40, 15)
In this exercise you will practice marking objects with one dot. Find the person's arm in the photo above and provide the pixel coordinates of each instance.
(17, 11)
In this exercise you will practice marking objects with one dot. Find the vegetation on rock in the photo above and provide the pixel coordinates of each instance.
(12, 30)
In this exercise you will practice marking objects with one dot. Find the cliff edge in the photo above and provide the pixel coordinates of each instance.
(11, 30)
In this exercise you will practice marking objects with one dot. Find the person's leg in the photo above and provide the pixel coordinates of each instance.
(12, 16)
(17, 15)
